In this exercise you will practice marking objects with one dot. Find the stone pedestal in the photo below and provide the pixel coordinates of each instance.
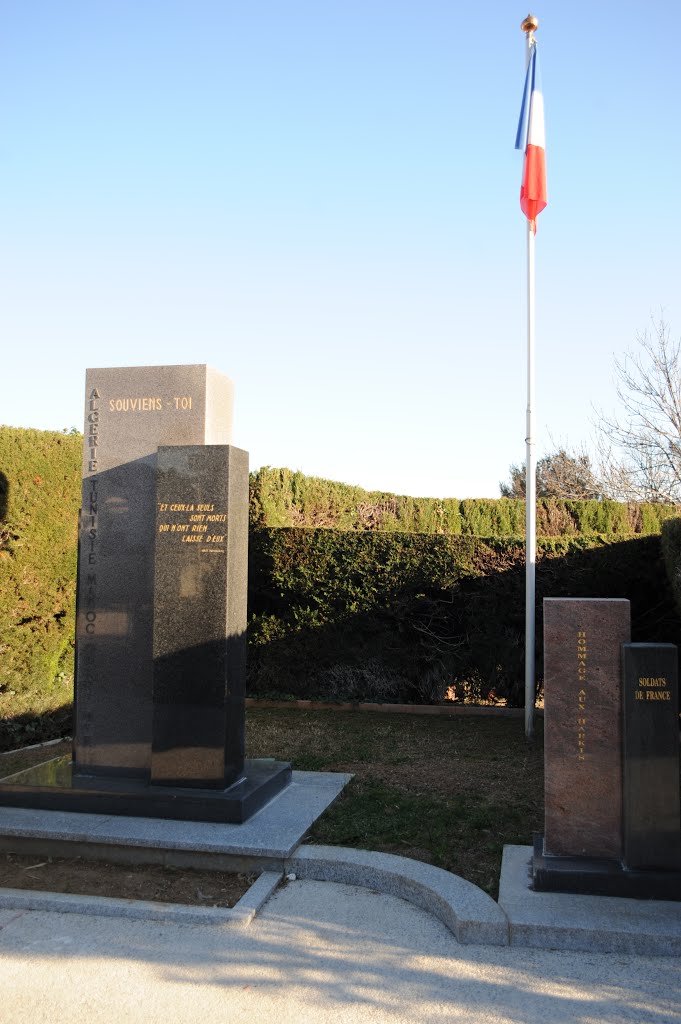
(583, 735)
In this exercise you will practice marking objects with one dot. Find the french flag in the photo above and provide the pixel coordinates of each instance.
(531, 140)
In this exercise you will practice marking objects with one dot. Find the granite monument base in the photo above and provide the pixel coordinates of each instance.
(56, 786)
(593, 876)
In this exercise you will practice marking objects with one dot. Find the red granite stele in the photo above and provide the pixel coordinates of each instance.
(583, 731)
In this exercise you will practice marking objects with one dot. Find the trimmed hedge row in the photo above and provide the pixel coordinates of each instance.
(39, 501)
(342, 616)
(282, 498)
(364, 609)
(671, 550)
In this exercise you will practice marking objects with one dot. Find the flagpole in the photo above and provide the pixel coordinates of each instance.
(529, 26)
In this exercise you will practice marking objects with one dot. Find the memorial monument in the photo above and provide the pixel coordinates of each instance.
(161, 609)
(613, 797)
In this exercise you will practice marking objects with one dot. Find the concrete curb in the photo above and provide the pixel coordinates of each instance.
(594, 924)
(469, 913)
(258, 894)
(242, 913)
(500, 710)
(35, 746)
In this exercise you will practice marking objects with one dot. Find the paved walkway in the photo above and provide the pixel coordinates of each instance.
(318, 952)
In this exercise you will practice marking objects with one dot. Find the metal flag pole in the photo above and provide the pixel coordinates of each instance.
(529, 27)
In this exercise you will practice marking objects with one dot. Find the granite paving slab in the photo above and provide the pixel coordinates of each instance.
(469, 913)
(601, 924)
(273, 832)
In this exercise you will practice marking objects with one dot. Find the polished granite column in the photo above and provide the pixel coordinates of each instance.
(129, 412)
(200, 587)
(652, 812)
(161, 617)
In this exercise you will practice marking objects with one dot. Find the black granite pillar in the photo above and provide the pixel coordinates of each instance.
(162, 590)
(129, 412)
(201, 564)
(652, 817)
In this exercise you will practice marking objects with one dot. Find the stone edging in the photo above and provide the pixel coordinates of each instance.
(242, 913)
(469, 913)
(35, 746)
(394, 709)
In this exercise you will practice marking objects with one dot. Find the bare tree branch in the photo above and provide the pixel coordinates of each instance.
(640, 447)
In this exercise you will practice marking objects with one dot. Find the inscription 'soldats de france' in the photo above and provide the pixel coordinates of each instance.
(648, 688)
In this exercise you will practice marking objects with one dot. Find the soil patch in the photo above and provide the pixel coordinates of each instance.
(155, 882)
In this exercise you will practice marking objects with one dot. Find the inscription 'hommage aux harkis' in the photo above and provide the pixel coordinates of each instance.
(582, 652)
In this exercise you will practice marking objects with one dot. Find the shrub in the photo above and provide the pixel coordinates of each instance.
(39, 499)
(434, 611)
(671, 550)
(282, 498)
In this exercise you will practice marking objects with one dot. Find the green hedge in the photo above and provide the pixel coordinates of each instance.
(282, 498)
(39, 501)
(393, 597)
(671, 550)
(337, 615)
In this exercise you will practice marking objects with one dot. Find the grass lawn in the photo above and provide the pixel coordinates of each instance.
(35, 714)
(449, 791)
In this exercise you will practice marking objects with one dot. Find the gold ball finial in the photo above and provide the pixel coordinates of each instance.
(530, 24)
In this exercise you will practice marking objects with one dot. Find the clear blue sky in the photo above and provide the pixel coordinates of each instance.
(321, 200)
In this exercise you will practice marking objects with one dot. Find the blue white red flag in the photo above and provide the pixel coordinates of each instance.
(530, 138)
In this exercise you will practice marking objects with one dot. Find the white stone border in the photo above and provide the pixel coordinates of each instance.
(242, 913)
(469, 913)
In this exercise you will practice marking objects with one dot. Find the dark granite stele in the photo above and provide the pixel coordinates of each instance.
(591, 876)
(652, 803)
(56, 786)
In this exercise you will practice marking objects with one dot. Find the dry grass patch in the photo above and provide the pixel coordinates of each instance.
(449, 791)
